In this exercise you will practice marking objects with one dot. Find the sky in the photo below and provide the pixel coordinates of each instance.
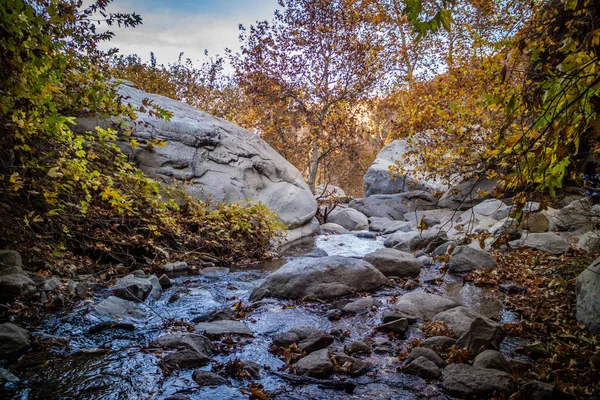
(191, 26)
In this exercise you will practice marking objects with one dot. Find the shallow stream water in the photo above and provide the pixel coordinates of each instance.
(119, 364)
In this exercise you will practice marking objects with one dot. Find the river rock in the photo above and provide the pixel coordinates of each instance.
(223, 327)
(589, 241)
(459, 319)
(548, 242)
(316, 342)
(388, 226)
(535, 223)
(395, 263)
(465, 259)
(285, 339)
(132, 288)
(216, 160)
(185, 358)
(393, 315)
(467, 194)
(543, 391)
(317, 253)
(333, 229)
(491, 359)
(399, 326)
(483, 334)
(379, 180)
(316, 365)
(423, 305)
(394, 206)
(438, 342)
(323, 278)
(13, 340)
(577, 216)
(10, 259)
(351, 365)
(206, 378)
(118, 308)
(192, 341)
(414, 240)
(304, 331)
(429, 354)
(157, 290)
(7, 377)
(177, 266)
(424, 368)
(164, 281)
(17, 284)
(358, 347)
(466, 381)
(362, 304)
(487, 209)
(349, 219)
(588, 297)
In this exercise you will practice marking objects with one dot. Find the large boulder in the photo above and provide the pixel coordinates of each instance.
(132, 288)
(466, 381)
(13, 280)
(414, 239)
(394, 206)
(465, 259)
(393, 262)
(548, 242)
(491, 208)
(324, 277)
(423, 305)
(588, 297)
(589, 241)
(13, 339)
(215, 159)
(349, 218)
(579, 215)
(467, 194)
(379, 180)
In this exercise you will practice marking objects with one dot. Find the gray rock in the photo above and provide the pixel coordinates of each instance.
(13, 340)
(206, 378)
(10, 259)
(285, 339)
(589, 241)
(588, 297)
(394, 206)
(333, 229)
(467, 194)
(393, 315)
(464, 380)
(334, 314)
(379, 180)
(491, 359)
(459, 319)
(329, 192)
(316, 365)
(185, 358)
(349, 219)
(382, 346)
(483, 334)
(438, 342)
(442, 249)
(323, 278)
(50, 285)
(315, 342)
(399, 326)
(351, 365)
(358, 347)
(214, 272)
(18, 284)
(535, 223)
(387, 226)
(402, 246)
(192, 341)
(366, 235)
(177, 266)
(427, 353)
(363, 304)
(543, 391)
(156, 288)
(138, 273)
(132, 288)
(117, 307)
(216, 160)
(577, 216)
(415, 240)
(304, 331)
(164, 281)
(465, 259)
(223, 327)
(548, 242)
(393, 262)
(424, 368)
(7, 377)
(423, 305)
(317, 253)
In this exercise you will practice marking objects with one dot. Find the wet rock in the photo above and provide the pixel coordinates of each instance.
(390, 315)
(443, 249)
(388, 226)
(383, 346)
(589, 241)
(164, 281)
(464, 380)
(543, 391)
(588, 297)
(317, 253)
(192, 341)
(467, 194)
(411, 284)
(138, 273)
(548, 242)
(349, 219)
(315, 342)
(363, 304)
(399, 326)
(13, 339)
(424, 368)
(13, 285)
(132, 288)
(459, 319)
(178, 396)
(423, 305)
(119, 308)
(214, 272)
(316, 365)
(177, 266)
(7, 377)
(333, 229)
(304, 331)
(483, 334)
(402, 246)
(253, 369)
(206, 378)
(429, 354)
(186, 358)
(438, 342)
(351, 365)
(358, 347)
(511, 288)
(334, 314)
(395, 263)
(415, 240)
(224, 327)
(285, 339)
(157, 290)
(465, 259)
(323, 278)
(366, 235)
(491, 359)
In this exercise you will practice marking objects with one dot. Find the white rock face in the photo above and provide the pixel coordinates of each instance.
(215, 159)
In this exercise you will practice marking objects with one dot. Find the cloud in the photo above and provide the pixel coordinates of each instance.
(172, 27)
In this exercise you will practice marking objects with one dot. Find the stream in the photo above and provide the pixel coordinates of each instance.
(119, 364)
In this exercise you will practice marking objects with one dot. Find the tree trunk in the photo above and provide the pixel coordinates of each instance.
(313, 168)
